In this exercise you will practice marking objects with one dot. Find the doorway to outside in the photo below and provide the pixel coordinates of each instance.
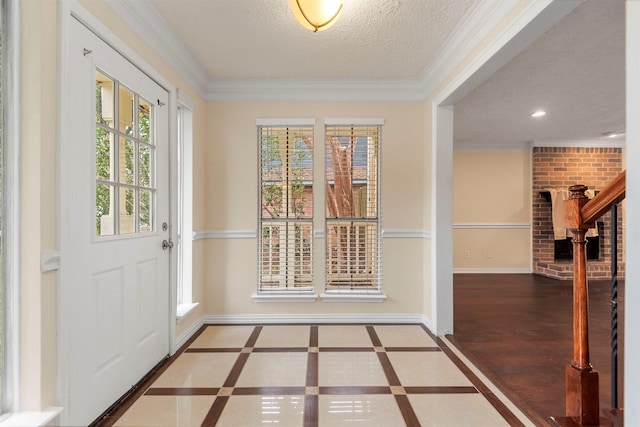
(115, 227)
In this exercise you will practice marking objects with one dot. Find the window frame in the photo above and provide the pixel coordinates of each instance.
(184, 288)
(289, 292)
(10, 204)
(119, 187)
(351, 293)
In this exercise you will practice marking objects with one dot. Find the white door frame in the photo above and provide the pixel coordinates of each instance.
(68, 10)
(532, 22)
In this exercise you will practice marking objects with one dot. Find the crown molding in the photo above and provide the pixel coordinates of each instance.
(295, 90)
(472, 29)
(151, 27)
(587, 143)
(479, 147)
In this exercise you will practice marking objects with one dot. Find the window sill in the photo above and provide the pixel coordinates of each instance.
(352, 297)
(31, 418)
(184, 310)
(284, 297)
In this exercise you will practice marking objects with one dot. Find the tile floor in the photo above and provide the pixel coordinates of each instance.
(314, 375)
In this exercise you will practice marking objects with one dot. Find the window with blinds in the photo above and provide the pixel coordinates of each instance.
(286, 207)
(353, 245)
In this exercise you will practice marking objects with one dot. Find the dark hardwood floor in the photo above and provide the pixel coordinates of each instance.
(518, 329)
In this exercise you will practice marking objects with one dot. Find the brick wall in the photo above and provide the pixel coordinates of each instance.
(561, 167)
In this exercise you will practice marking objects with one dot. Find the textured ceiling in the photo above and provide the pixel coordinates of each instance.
(575, 72)
(260, 39)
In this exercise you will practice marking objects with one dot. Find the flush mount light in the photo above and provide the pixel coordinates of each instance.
(539, 113)
(316, 15)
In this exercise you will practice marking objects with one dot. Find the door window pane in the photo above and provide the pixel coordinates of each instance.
(124, 160)
(144, 121)
(145, 165)
(127, 161)
(104, 154)
(104, 203)
(144, 212)
(127, 210)
(125, 111)
(104, 100)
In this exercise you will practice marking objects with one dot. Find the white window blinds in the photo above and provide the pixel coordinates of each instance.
(353, 249)
(286, 207)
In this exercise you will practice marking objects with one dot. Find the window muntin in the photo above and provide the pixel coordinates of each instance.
(124, 160)
(353, 244)
(286, 207)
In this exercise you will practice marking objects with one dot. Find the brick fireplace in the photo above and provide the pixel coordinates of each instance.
(561, 167)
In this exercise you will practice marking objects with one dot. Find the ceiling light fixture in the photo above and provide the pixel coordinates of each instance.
(612, 134)
(539, 113)
(316, 15)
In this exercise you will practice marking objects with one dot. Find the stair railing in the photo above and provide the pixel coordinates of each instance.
(580, 214)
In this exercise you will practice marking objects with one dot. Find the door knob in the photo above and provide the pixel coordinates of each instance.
(167, 244)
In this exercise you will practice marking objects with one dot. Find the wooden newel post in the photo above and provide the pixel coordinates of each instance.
(582, 393)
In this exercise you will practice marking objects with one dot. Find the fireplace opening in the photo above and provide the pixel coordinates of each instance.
(563, 249)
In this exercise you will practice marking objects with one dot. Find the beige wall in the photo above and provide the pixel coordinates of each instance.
(37, 203)
(491, 189)
(231, 204)
(225, 194)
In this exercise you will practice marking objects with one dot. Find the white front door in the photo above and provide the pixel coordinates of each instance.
(115, 204)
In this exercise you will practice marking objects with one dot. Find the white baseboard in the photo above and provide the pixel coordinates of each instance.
(427, 322)
(527, 270)
(184, 337)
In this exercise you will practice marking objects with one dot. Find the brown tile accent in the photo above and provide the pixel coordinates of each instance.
(310, 411)
(235, 371)
(410, 417)
(213, 350)
(345, 349)
(312, 370)
(253, 337)
(279, 349)
(345, 390)
(374, 336)
(216, 410)
(268, 391)
(440, 390)
(186, 391)
(504, 411)
(388, 369)
(313, 336)
(412, 349)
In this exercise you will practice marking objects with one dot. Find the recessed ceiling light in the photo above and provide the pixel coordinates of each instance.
(539, 113)
(612, 134)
